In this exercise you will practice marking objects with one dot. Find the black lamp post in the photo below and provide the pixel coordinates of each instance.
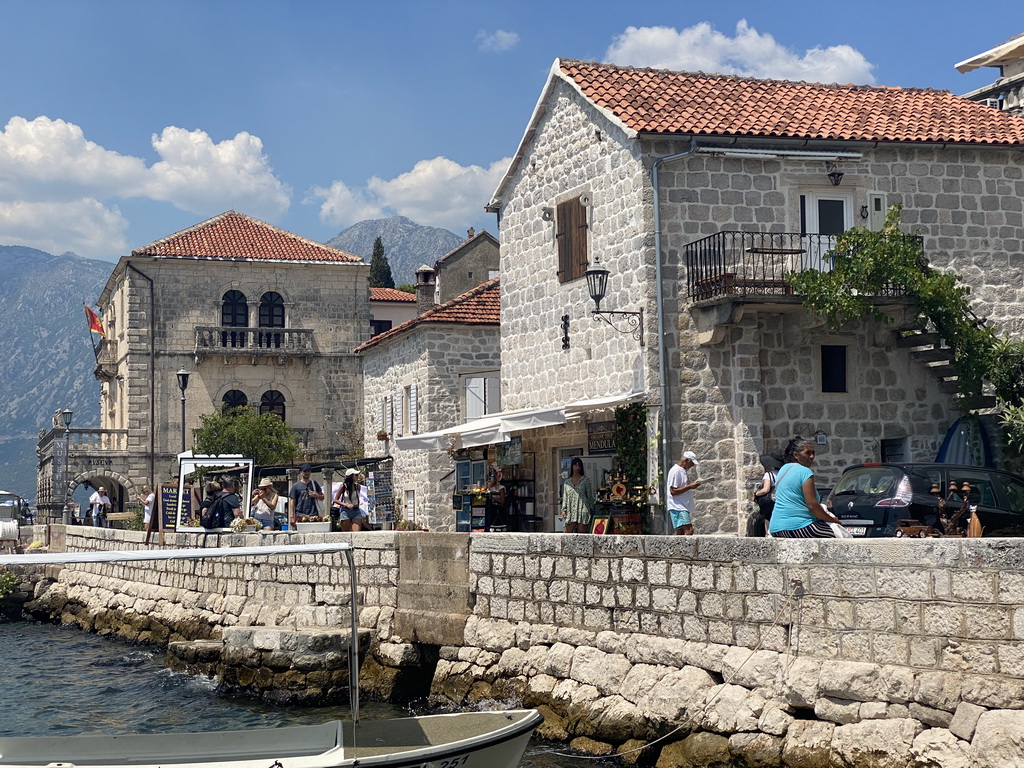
(62, 477)
(183, 385)
(597, 284)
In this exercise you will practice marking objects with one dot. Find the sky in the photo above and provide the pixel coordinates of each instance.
(125, 121)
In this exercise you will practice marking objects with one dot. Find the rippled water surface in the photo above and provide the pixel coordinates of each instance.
(62, 681)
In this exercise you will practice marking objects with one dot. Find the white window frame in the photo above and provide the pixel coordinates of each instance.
(490, 390)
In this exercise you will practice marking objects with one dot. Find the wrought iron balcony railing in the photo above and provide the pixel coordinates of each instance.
(755, 263)
(255, 341)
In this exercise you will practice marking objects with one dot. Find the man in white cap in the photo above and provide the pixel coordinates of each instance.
(680, 494)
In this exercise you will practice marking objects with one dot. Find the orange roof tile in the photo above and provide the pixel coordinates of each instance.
(235, 236)
(477, 306)
(391, 294)
(694, 103)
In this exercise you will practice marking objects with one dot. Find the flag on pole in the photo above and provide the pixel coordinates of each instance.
(95, 324)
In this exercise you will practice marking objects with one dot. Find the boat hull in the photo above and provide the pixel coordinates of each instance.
(458, 740)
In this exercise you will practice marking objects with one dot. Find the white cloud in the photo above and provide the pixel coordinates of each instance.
(197, 175)
(84, 226)
(497, 41)
(437, 192)
(51, 176)
(750, 53)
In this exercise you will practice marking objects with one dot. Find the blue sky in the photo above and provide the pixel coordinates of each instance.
(123, 121)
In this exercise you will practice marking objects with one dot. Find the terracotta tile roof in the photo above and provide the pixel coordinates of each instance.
(390, 294)
(478, 306)
(694, 103)
(235, 236)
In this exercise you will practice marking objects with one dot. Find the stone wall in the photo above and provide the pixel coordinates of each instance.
(852, 653)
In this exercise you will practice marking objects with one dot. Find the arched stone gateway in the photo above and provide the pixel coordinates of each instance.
(106, 478)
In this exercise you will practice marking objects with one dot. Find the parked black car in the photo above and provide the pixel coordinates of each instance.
(871, 499)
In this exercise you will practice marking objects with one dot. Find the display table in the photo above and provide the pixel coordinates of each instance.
(618, 517)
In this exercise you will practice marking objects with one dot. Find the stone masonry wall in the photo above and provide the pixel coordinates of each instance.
(812, 653)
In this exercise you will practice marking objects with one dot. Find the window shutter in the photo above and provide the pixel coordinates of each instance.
(493, 395)
(389, 414)
(475, 398)
(398, 413)
(380, 414)
(571, 237)
(414, 420)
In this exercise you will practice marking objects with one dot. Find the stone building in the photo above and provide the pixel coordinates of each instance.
(431, 372)
(670, 182)
(1007, 92)
(390, 307)
(256, 315)
(466, 266)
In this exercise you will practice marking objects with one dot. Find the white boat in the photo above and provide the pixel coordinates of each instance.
(492, 739)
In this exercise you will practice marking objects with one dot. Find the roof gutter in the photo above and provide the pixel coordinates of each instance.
(662, 351)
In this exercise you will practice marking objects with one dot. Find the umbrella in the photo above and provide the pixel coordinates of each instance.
(773, 460)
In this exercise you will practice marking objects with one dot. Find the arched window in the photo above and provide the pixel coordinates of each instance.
(234, 398)
(234, 313)
(271, 316)
(272, 402)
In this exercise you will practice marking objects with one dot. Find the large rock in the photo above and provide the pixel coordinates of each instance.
(604, 671)
(756, 750)
(731, 709)
(698, 750)
(800, 684)
(938, 748)
(808, 744)
(965, 720)
(852, 680)
(679, 693)
(999, 739)
(875, 743)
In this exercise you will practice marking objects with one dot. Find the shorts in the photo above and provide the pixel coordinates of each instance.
(346, 513)
(680, 517)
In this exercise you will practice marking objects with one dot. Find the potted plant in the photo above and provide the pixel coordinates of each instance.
(382, 435)
(313, 524)
(245, 525)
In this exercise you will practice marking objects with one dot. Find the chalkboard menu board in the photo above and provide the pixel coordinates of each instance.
(169, 507)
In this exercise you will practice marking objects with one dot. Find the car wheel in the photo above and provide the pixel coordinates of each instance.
(899, 533)
(922, 535)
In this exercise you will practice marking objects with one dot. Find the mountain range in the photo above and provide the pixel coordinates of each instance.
(407, 245)
(46, 360)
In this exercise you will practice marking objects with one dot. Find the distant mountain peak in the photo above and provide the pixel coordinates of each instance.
(406, 243)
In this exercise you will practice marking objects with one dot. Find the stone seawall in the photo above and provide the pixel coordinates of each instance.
(760, 652)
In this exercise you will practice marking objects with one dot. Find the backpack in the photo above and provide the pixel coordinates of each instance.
(213, 516)
(766, 503)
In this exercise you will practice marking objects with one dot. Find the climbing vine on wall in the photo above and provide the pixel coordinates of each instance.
(631, 443)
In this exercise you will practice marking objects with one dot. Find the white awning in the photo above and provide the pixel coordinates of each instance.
(496, 427)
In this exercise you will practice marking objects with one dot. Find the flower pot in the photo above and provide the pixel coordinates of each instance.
(313, 527)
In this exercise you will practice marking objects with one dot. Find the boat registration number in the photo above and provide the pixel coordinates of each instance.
(857, 531)
(451, 762)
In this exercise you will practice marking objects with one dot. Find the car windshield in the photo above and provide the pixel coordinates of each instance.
(867, 481)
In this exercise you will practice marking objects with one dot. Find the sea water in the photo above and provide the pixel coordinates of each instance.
(63, 681)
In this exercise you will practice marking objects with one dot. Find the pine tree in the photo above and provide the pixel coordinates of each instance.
(380, 270)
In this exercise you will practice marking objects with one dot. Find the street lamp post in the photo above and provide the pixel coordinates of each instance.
(60, 466)
(183, 385)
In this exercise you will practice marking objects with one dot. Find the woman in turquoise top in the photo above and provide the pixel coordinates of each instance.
(577, 500)
(798, 514)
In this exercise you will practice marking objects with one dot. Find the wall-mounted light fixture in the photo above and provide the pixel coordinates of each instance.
(835, 176)
(863, 211)
(597, 284)
(547, 214)
(820, 438)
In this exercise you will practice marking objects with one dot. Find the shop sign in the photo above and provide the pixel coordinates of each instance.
(601, 437)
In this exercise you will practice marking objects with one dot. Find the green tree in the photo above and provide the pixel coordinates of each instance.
(264, 438)
(380, 269)
(407, 287)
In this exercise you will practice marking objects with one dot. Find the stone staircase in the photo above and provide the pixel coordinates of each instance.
(928, 349)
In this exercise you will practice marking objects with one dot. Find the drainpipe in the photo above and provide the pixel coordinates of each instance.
(662, 351)
(152, 374)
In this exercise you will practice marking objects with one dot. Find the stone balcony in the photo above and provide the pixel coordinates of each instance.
(257, 343)
(106, 360)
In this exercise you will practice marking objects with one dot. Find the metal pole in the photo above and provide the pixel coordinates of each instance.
(353, 643)
(183, 421)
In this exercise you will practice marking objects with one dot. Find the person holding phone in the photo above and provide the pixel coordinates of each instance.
(680, 494)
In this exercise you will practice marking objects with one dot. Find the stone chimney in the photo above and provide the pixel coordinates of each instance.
(424, 289)
(470, 233)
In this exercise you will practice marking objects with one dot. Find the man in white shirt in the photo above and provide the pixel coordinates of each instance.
(99, 505)
(680, 501)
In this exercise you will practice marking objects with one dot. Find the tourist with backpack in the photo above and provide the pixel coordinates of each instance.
(764, 496)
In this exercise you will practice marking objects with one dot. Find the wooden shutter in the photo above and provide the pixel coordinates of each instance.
(398, 412)
(571, 236)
